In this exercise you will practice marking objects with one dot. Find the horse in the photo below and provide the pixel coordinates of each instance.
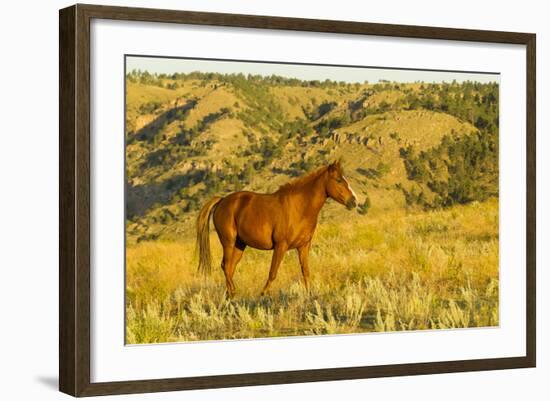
(279, 221)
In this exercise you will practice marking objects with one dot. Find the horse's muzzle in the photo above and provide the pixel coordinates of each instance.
(351, 204)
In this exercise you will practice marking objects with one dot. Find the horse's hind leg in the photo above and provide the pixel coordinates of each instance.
(227, 233)
(235, 259)
(228, 270)
(234, 254)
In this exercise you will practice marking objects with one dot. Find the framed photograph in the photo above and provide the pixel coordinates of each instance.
(249, 200)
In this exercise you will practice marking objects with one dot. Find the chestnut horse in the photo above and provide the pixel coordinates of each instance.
(283, 220)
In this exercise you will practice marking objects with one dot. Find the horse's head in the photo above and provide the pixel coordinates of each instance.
(338, 187)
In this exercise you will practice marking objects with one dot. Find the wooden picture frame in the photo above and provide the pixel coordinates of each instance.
(74, 199)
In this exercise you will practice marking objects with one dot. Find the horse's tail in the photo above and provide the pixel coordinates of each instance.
(203, 235)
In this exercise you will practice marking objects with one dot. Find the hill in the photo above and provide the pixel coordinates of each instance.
(192, 136)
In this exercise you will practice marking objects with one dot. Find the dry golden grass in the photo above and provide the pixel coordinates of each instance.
(394, 271)
(422, 127)
(138, 95)
(292, 98)
(211, 102)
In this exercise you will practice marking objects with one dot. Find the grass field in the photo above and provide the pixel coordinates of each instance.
(397, 270)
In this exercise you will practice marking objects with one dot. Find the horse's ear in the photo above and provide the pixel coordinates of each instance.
(336, 165)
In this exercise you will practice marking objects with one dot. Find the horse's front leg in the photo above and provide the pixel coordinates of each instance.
(303, 255)
(278, 254)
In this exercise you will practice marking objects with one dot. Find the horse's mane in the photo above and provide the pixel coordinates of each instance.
(300, 181)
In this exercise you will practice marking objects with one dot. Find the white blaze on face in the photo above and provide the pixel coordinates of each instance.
(350, 188)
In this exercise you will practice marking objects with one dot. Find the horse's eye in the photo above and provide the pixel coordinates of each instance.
(338, 180)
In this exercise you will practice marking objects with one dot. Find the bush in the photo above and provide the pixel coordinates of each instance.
(149, 107)
(459, 170)
(364, 207)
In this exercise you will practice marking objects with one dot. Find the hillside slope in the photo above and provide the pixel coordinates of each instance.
(189, 137)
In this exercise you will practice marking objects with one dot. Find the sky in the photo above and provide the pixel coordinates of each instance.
(302, 72)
